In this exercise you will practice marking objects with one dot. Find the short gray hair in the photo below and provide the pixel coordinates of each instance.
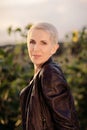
(51, 29)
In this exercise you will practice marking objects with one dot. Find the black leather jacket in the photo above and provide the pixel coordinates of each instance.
(47, 103)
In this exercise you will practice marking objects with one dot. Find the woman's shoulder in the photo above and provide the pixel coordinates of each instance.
(51, 68)
(23, 91)
(52, 75)
(51, 71)
(27, 88)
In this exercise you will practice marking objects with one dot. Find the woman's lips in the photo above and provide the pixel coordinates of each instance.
(36, 56)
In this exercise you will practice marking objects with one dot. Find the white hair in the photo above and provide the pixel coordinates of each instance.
(51, 29)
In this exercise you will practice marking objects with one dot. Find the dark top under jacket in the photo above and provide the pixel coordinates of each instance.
(47, 103)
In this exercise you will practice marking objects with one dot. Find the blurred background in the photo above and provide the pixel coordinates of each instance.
(16, 69)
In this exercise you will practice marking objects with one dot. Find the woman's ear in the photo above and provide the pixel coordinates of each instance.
(54, 48)
(57, 47)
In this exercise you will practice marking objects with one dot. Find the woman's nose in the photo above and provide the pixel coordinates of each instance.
(36, 47)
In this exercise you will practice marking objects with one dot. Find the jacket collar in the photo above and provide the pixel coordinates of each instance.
(48, 61)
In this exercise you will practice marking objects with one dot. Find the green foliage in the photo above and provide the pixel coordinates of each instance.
(22, 32)
(76, 71)
(16, 69)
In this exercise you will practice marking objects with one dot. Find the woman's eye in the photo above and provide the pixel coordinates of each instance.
(32, 42)
(44, 43)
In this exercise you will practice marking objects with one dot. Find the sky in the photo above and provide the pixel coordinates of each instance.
(66, 15)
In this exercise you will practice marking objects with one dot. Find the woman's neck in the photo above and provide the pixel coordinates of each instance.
(36, 69)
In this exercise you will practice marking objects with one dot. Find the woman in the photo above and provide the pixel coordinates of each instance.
(46, 103)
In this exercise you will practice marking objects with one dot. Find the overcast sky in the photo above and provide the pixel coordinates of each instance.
(66, 15)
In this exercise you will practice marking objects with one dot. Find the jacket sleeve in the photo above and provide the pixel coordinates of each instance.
(59, 99)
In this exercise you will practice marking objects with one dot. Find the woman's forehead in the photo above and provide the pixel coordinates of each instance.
(38, 32)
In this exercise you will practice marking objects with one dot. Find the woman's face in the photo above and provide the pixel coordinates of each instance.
(40, 46)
